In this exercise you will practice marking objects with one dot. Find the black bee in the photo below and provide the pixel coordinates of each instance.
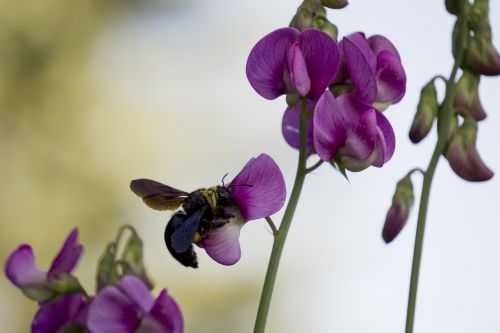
(199, 210)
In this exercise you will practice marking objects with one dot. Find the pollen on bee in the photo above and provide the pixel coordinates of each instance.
(197, 238)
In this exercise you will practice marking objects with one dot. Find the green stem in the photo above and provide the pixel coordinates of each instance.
(279, 239)
(445, 115)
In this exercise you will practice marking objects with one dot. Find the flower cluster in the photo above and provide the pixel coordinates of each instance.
(343, 88)
(123, 302)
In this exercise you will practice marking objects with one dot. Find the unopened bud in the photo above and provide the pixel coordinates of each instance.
(463, 156)
(334, 4)
(453, 6)
(321, 23)
(402, 201)
(107, 273)
(459, 38)
(306, 13)
(132, 257)
(427, 110)
(467, 95)
(482, 57)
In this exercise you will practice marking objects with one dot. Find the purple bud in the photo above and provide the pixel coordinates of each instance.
(463, 156)
(402, 201)
(482, 57)
(426, 113)
(334, 4)
(467, 95)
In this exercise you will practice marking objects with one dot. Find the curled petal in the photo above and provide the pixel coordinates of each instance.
(322, 57)
(391, 78)
(60, 314)
(266, 63)
(21, 269)
(223, 244)
(361, 65)
(379, 44)
(298, 71)
(290, 126)
(263, 189)
(111, 311)
(386, 138)
(68, 256)
(164, 317)
(135, 289)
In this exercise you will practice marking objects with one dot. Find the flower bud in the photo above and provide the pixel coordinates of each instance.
(132, 257)
(427, 110)
(467, 95)
(482, 57)
(459, 39)
(306, 13)
(322, 23)
(402, 201)
(107, 273)
(453, 6)
(463, 156)
(334, 4)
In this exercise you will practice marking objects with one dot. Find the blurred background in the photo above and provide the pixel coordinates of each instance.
(96, 93)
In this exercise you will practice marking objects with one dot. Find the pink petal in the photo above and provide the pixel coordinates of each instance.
(223, 244)
(267, 191)
(135, 289)
(391, 78)
(298, 70)
(164, 317)
(386, 138)
(380, 43)
(21, 269)
(68, 256)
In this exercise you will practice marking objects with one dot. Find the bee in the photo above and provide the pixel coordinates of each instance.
(195, 213)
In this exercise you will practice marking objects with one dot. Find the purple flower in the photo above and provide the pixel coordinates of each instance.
(258, 190)
(129, 307)
(61, 315)
(295, 63)
(22, 271)
(351, 132)
(374, 67)
(291, 126)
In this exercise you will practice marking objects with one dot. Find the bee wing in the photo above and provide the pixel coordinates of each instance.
(157, 195)
(182, 238)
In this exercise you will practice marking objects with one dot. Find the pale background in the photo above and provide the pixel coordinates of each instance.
(95, 95)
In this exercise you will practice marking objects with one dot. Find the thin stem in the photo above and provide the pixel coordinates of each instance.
(272, 225)
(314, 166)
(279, 240)
(445, 120)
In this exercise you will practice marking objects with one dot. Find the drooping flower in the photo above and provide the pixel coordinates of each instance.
(374, 67)
(37, 284)
(211, 218)
(129, 307)
(351, 132)
(299, 64)
(64, 314)
(397, 216)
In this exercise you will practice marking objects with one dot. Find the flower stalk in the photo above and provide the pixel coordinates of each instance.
(280, 236)
(445, 119)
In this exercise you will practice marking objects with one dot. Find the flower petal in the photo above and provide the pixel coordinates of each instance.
(391, 78)
(266, 63)
(267, 192)
(21, 269)
(298, 70)
(322, 57)
(379, 43)
(386, 138)
(59, 314)
(111, 312)
(290, 126)
(223, 244)
(68, 256)
(361, 140)
(361, 64)
(165, 316)
(135, 289)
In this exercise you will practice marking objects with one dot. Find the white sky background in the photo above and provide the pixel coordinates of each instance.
(179, 76)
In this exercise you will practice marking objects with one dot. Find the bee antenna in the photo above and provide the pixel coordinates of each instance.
(224, 177)
(235, 185)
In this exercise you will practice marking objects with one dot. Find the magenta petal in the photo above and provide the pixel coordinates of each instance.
(135, 289)
(267, 192)
(164, 317)
(223, 244)
(59, 314)
(391, 78)
(298, 70)
(361, 64)
(387, 140)
(68, 256)
(21, 269)
(379, 44)
(266, 63)
(111, 312)
(361, 140)
(290, 126)
(322, 57)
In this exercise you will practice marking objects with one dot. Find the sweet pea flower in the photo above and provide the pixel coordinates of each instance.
(264, 197)
(35, 283)
(351, 132)
(129, 307)
(63, 314)
(375, 68)
(299, 64)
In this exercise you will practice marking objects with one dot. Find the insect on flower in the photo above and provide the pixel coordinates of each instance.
(212, 217)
